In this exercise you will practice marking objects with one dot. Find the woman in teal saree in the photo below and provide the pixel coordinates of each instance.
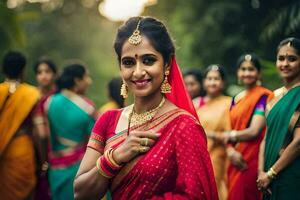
(71, 118)
(279, 168)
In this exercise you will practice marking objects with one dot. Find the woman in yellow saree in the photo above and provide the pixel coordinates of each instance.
(17, 163)
(215, 119)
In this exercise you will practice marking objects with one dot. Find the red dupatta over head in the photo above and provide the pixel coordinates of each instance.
(179, 95)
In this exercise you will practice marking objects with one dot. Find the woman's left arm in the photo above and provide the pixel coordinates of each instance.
(195, 178)
(291, 152)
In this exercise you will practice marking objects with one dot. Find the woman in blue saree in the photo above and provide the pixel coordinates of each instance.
(71, 117)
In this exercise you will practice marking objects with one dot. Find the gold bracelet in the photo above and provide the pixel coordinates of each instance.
(109, 156)
(233, 135)
(271, 173)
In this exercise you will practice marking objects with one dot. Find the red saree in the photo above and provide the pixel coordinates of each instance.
(178, 166)
(242, 184)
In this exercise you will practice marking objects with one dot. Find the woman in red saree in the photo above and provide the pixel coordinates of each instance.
(248, 124)
(45, 71)
(155, 148)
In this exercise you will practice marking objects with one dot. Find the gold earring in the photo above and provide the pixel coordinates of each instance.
(165, 86)
(124, 90)
(258, 82)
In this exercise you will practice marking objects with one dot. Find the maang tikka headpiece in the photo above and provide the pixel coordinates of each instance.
(136, 37)
(248, 57)
(215, 68)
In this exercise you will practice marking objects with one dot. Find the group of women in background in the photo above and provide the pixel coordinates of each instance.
(253, 138)
(45, 129)
(155, 148)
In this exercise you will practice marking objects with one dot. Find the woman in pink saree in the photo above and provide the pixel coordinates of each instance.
(155, 148)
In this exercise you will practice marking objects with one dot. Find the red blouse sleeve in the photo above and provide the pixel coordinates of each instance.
(195, 179)
(100, 130)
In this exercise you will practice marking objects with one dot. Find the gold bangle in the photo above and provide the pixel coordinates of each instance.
(109, 156)
(233, 135)
(271, 173)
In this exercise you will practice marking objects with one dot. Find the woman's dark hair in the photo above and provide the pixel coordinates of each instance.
(151, 28)
(114, 87)
(67, 79)
(218, 68)
(249, 57)
(293, 42)
(194, 72)
(46, 61)
(13, 64)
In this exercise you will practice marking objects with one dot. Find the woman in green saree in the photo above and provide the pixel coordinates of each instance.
(71, 118)
(279, 165)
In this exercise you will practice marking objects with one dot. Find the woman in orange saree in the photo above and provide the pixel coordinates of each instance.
(248, 124)
(214, 116)
(155, 148)
(17, 162)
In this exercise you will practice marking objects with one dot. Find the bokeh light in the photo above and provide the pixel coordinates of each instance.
(120, 10)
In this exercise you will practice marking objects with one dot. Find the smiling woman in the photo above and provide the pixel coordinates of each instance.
(247, 115)
(155, 148)
(280, 152)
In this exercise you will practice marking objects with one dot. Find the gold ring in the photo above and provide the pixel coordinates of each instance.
(143, 149)
(144, 142)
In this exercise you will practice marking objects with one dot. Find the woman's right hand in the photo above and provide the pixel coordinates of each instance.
(137, 142)
(237, 159)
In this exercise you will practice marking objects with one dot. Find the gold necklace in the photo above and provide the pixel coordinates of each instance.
(138, 119)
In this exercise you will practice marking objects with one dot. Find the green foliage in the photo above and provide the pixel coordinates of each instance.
(205, 32)
(218, 31)
(284, 21)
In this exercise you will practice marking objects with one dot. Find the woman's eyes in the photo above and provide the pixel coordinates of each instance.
(289, 58)
(149, 60)
(128, 62)
(247, 69)
(281, 58)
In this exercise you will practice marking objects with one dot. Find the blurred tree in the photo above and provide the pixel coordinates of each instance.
(206, 32)
(217, 31)
(12, 32)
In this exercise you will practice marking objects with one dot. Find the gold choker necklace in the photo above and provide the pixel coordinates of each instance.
(138, 119)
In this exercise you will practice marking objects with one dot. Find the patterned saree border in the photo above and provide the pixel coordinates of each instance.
(65, 152)
(278, 94)
(294, 119)
(79, 101)
(168, 117)
(156, 124)
(96, 142)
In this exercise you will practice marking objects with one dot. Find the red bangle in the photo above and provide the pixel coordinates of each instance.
(106, 166)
